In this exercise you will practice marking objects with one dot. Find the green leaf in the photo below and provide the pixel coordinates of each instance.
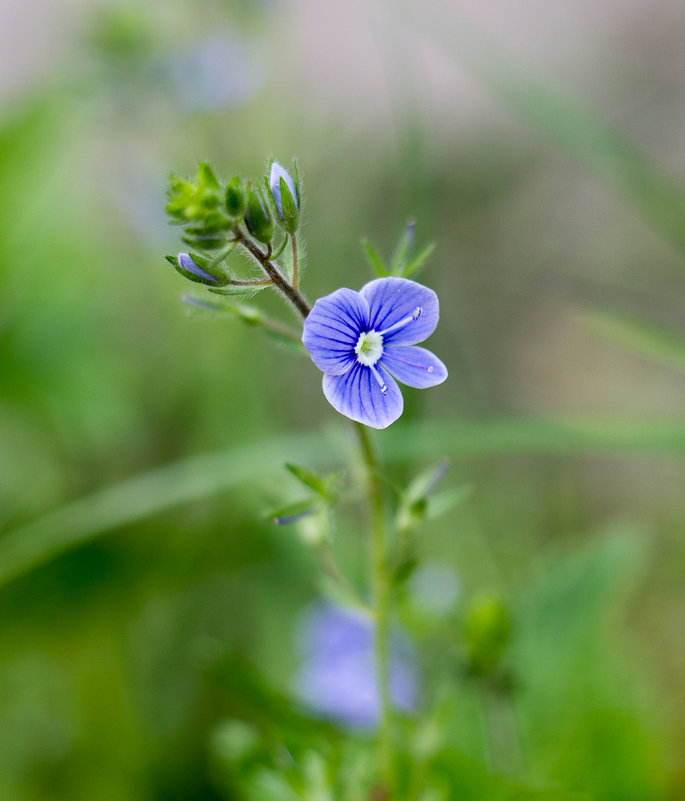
(427, 481)
(206, 178)
(293, 512)
(202, 305)
(444, 502)
(375, 261)
(649, 340)
(403, 250)
(286, 340)
(309, 478)
(419, 260)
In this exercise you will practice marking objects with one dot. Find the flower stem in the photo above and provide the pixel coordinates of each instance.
(296, 277)
(380, 578)
(272, 271)
(380, 567)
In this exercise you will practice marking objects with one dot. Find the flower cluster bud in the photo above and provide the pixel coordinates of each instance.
(196, 204)
(210, 210)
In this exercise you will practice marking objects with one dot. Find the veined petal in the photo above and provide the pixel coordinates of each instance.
(357, 394)
(394, 300)
(332, 330)
(413, 366)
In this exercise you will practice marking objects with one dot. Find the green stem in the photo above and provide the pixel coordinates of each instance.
(380, 579)
(296, 277)
(272, 271)
(251, 282)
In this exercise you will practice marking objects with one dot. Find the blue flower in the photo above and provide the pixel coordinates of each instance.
(338, 680)
(360, 340)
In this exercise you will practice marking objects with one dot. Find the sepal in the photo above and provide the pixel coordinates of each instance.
(236, 199)
(198, 269)
(257, 217)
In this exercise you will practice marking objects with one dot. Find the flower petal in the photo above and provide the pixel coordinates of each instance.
(415, 367)
(332, 329)
(357, 395)
(394, 299)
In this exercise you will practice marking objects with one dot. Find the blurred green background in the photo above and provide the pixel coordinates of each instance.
(540, 146)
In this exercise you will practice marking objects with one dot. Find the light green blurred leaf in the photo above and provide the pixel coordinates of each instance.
(292, 512)
(443, 502)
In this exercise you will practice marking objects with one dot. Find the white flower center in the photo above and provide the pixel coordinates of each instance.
(369, 348)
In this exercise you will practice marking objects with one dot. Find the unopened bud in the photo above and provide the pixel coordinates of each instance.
(257, 217)
(286, 195)
(193, 268)
(236, 198)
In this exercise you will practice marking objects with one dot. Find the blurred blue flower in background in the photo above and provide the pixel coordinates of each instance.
(337, 679)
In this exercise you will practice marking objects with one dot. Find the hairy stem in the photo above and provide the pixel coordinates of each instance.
(252, 282)
(380, 579)
(272, 271)
(296, 277)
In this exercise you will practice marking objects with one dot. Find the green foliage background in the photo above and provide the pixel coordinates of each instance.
(139, 446)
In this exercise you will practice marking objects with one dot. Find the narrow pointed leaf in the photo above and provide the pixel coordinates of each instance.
(419, 260)
(446, 501)
(375, 261)
(293, 512)
(309, 478)
(403, 250)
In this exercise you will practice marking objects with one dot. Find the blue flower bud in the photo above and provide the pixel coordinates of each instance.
(286, 196)
(187, 266)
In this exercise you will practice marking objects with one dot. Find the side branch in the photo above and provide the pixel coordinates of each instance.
(272, 271)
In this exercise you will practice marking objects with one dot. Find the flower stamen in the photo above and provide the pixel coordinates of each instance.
(379, 379)
(410, 318)
(369, 348)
